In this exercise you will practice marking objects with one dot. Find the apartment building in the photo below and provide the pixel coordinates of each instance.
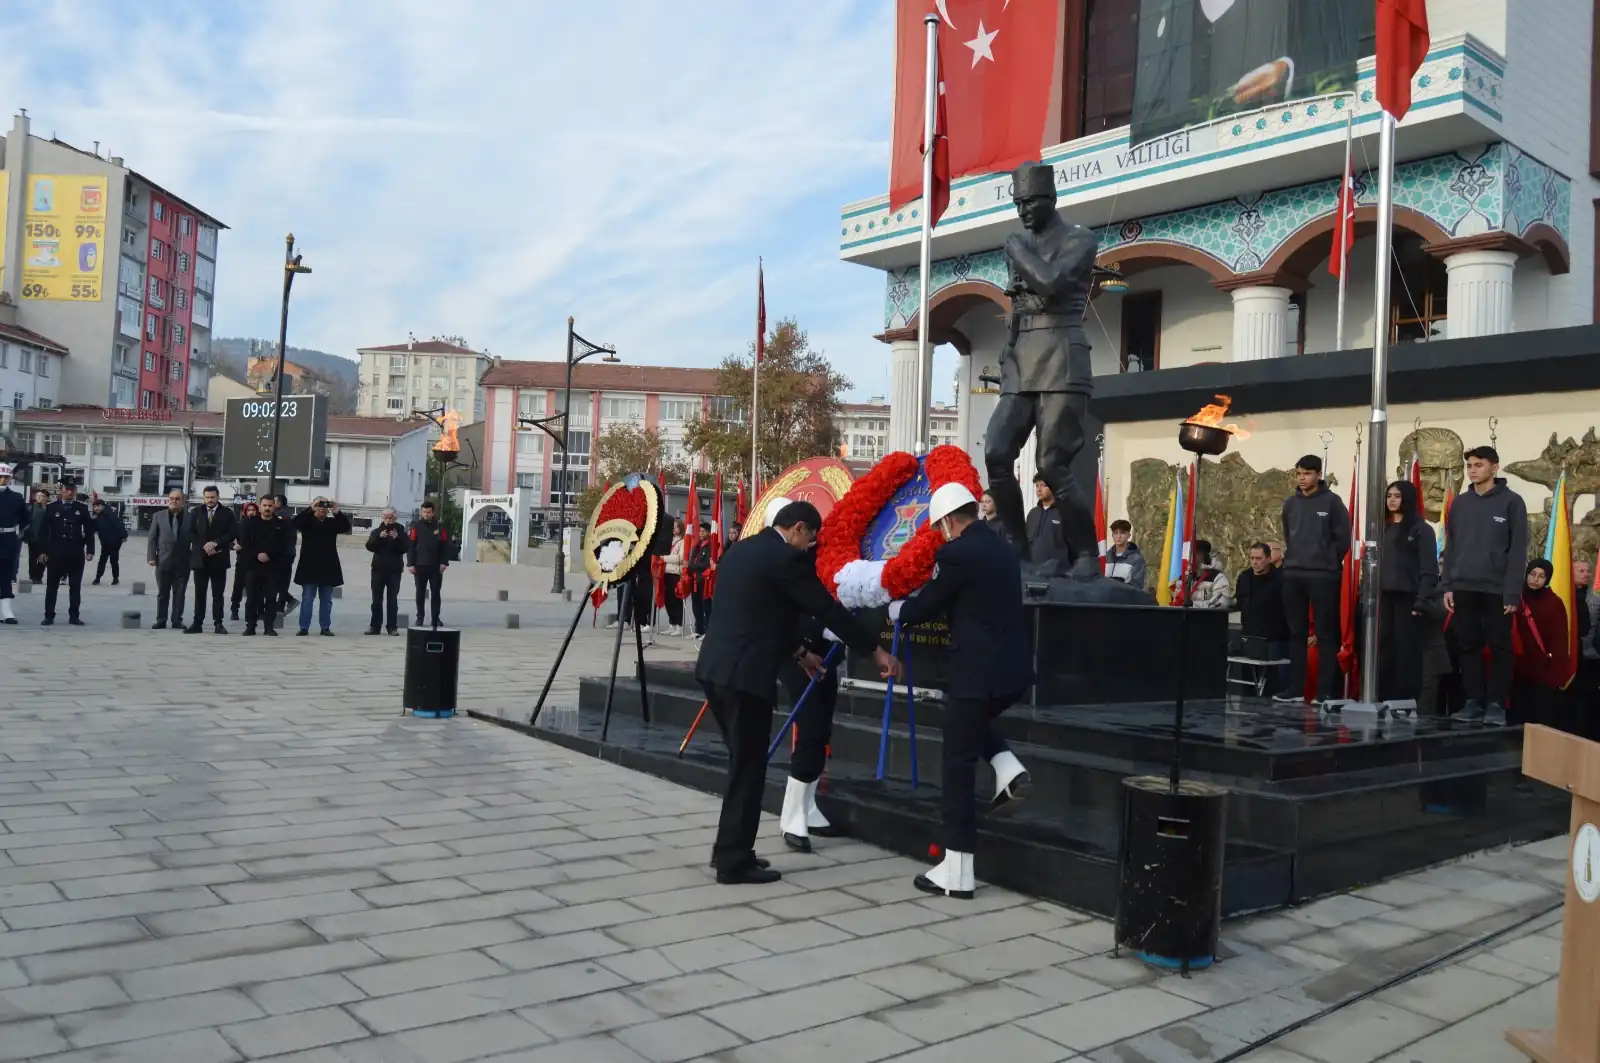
(137, 323)
(864, 428)
(399, 378)
(30, 367)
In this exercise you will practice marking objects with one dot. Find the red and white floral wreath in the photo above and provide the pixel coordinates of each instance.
(862, 584)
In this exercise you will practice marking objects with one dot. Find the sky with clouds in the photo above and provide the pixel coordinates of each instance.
(487, 167)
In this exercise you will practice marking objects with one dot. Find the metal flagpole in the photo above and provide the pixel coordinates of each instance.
(930, 132)
(1378, 436)
(1344, 189)
(755, 383)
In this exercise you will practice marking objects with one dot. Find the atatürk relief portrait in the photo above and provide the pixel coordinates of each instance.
(1439, 451)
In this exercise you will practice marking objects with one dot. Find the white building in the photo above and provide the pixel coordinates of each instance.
(422, 375)
(30, 367)
(1224, 230)
(135, 457)
(864, 428)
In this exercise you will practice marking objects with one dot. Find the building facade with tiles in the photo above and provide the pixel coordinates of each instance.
(1223, 231)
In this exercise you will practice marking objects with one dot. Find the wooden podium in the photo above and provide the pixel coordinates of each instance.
(1572, 764)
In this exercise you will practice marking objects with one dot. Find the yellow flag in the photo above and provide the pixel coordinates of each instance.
(1559, 545)
(1163, 587)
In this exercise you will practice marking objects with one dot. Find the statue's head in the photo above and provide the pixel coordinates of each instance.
(1438, 451)
(1033, 190)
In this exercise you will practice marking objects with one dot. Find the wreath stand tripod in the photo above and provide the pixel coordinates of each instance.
(624, 610)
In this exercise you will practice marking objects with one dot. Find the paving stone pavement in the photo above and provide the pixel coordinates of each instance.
(214, 851)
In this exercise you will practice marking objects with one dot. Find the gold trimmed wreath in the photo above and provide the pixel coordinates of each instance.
(620, 529)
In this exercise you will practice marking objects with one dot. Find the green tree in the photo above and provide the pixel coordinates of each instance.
(799, 398)
(623, 449)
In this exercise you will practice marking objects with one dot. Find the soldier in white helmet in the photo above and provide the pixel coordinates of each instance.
(13, 518)
(977, 588)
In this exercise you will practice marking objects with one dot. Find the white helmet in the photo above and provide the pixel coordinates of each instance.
(946, 500)
(773, 509)
(5, 470)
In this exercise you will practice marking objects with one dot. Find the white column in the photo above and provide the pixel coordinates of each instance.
(1027, 468)
(903, 395)
(1260, 323)
(1480, 293)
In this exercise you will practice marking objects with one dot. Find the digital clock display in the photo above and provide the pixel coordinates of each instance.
(302, 426)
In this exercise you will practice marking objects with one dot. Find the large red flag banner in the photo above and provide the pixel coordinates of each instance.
(1344, 224)
(996, 59)
(1402, 45)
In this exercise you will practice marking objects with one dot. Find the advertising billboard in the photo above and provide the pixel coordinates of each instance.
(1200, 60)
(247, 437)
(64, 238)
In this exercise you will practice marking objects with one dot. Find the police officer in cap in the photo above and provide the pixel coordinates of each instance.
(69, 534)
(977, 588)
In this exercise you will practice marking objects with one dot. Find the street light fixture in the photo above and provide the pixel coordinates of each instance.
(291, 266)
(578, 349)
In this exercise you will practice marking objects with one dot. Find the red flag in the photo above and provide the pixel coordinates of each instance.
(1101, 535)
(996, 60)
(1186, 538)
(741, 507)
(691, 535)
(1402, 45)
(1350, 595)
(1344, 225)
(716, 539)
(761, 310)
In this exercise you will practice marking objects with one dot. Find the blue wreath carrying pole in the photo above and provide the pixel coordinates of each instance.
(827, 662)
(911, 710)
(888, 703)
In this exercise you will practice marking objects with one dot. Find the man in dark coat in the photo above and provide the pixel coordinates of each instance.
(261, 544)
(283, 601)
(112, 533)
(389, 545)
(427, 556)
(319, 571)
(763, 588)
(1264, 624)
(13, 517)
(69, 535)
(167, 550)
(1316, 536)
(212, 529)
(35, 533)
(977, 588)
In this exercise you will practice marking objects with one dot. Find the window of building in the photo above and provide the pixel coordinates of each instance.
(180, 297)
(441, 364)
(531, 404)
(1141, 332)
(75, 474)
(104, 446)
(177, 370)
(396, 405)
(149, 361)
(622, 409)
(1110, 56)
(397, 361)
(1418, 305)
(155, 248)
(41, 365)
(25, 360)
(578, 450)
(150, 326)
(17, 399)
(158, 210)
(77, 447)
(24, 439)
(530, 441)
(531, 480)
(44, 404)
(155, 292)
(183, 262)
(179, 333)
(185, 224)
(5, 355)
(122, 393)
(129, 237)
(54, 443)
(679, 409)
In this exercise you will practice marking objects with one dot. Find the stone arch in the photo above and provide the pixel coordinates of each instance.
(1302, 251)
(1549, 242)
(515, 504)
(1137, 257)
(947, 306)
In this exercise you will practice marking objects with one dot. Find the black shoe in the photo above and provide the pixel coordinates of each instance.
(421, 622)
(115, 581)
(302, 632)
(271, 631)
(1494, 715)
(47, 621)
(797, 842)
(328, 631)
(392, 631)
(218, 629)
(1471, 712)
(760, 861)
(158, 625)
(193, 629)
(233, 614)
(927, 885)
(1286, 697)
(249, 631)
(74, 621)
(96, 582)
(372, 631)
(748, 875)
(177, 623)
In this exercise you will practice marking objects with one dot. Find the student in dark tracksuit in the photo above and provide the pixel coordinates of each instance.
(427, 558)
(1485, 552)
(1316, 536)
(112, 533)
(1410, 573)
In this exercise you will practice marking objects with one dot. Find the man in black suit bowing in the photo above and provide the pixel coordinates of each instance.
(977, 587)
(212, 529)
(763, 588)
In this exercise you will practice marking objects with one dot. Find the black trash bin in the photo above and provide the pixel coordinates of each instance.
(433, 665)
(1169, 893)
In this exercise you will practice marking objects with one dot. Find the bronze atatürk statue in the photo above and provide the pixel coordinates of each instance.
(1045, 378)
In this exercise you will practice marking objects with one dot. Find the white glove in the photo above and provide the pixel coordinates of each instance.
(828, 634)
(894, 611)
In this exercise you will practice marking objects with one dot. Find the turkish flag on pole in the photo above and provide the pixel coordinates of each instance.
(996, 58)
(1344, 225)
(1402, 27)
(761, 310)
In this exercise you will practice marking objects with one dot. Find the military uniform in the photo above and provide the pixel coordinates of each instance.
(1045, 375)
(69, 534)
(800, 817)
(13, 521)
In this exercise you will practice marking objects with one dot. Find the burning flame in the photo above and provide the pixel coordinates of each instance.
(1211, 415)
(447, 433)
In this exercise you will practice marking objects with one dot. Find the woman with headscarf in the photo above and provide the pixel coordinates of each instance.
(250, 509)
(1405, 593)
(1539, 640)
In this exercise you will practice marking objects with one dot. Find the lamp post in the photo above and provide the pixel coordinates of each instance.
(291, 266)
(574, 356)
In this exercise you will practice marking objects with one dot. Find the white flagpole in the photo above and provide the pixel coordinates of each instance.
(925, 259)
(1344, 250)
(1378, 434)
(755, 382)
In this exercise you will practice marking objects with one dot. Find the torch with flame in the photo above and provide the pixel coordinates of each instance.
(1212, 416)
(449, 444)
(1206, 432)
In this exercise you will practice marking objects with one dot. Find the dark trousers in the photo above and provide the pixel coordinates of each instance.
(260, 586)
(112, 554)
(702, 612)
(1059, 417)
(669, 589)
(746, 723)
(1311, 603)
(35, 564)
(1480, 620)
(386, 589)
(281, 596)
(429, 579)
(1399, 647)
(642, 598)
(239, 582)
(217, 580)
(969, 732)
(814, 725)
(69, 568)
(172, 585)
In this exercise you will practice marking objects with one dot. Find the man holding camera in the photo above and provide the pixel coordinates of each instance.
(389, 546)
(319, 571)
